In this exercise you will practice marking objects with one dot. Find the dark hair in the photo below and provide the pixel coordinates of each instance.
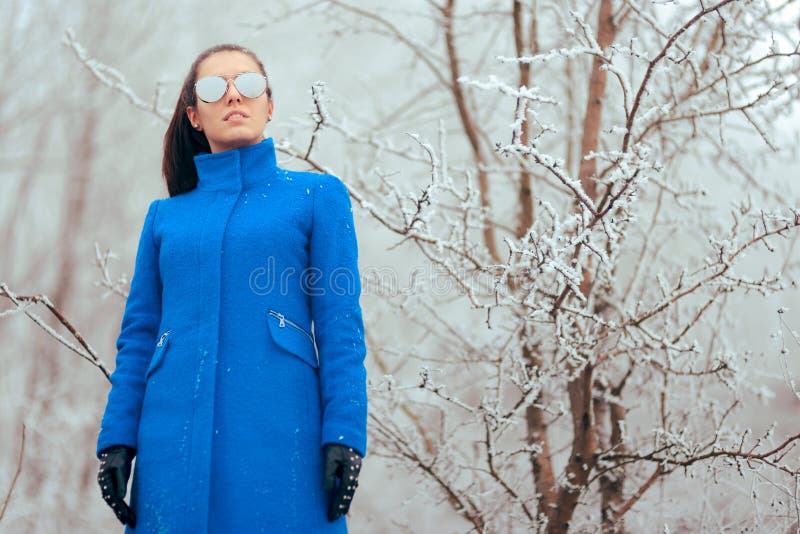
(181, 141)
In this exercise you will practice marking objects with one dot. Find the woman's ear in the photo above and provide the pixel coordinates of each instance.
(191, 113)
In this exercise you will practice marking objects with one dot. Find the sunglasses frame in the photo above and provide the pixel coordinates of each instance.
(227, 78)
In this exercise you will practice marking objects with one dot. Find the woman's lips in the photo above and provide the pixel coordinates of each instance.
(233, 113)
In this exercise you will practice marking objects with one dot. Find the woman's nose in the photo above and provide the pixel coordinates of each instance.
(230, 89)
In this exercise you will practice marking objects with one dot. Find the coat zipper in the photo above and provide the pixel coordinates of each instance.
(163, 337)
(283, 320)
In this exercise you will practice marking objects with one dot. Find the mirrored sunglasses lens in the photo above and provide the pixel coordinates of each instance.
(250, 84)
(211, 88)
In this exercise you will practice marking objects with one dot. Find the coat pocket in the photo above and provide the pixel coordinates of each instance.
(293, 338)
(158, 355)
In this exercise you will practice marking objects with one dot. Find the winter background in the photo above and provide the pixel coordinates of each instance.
(87, 88)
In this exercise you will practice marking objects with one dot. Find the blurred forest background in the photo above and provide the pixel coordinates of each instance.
(80, 153)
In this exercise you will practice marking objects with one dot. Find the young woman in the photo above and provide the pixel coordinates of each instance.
(240, 384)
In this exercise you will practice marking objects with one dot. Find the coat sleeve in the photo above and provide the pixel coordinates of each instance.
(336, 313)
(135, 344)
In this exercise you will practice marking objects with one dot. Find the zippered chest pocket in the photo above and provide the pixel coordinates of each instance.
(292, 337)
(158, 354)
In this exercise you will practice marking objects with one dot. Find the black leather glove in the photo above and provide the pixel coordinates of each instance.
(342, 465)
(115, 468)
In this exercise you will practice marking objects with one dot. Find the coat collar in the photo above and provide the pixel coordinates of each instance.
(237, 168)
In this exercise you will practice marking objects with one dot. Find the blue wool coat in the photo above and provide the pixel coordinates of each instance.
(241, 350)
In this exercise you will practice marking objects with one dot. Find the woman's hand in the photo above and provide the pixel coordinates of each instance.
(115, 469)
(342, 465)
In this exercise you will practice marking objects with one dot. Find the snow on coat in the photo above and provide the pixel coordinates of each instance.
(241, 350)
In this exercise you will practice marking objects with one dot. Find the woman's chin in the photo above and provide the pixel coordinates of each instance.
(237, 137)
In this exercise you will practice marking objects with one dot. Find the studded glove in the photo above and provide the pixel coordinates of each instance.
(115, 468)
(342, 465)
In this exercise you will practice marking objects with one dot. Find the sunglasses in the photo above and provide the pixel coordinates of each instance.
(212, 88)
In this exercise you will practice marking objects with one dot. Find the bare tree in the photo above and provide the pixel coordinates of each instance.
(610, 365)
(54, 117)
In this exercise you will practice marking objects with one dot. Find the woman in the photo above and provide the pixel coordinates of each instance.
(242, 415)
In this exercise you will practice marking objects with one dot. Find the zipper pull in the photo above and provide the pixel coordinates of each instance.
(282, 323)
(163, 337)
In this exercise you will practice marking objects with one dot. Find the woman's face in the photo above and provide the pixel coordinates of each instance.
(210, 117)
